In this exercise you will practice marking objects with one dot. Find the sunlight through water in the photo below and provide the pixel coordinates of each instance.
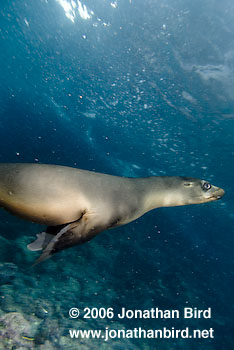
(72, 8)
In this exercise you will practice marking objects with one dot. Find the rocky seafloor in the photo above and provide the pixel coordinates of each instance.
(134, 266)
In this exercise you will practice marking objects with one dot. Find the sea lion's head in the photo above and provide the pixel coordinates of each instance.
(195, 191)
(171, 191)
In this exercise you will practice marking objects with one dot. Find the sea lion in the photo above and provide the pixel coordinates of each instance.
(78, 204)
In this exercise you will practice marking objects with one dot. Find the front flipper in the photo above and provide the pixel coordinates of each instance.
(71, 234)
(43, 238)
(41, 242)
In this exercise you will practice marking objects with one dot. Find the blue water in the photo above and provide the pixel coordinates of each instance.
(131, 88)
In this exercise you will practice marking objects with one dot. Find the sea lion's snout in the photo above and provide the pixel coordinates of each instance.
(220, 193)
(217, 194)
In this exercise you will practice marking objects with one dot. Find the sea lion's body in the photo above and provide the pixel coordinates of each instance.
(81, 203)
(55, 195)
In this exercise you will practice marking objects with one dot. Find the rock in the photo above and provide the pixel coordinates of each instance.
(16, 331)
(7, 272)
(42, 308)
(5, 247)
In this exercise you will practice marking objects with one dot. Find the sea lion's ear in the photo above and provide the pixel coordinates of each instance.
(188, 184)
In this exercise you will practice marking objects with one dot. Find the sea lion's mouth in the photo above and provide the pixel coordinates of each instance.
(218, 195)
(216, 198)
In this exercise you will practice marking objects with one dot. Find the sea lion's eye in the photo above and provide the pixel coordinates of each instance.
(206, 186)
